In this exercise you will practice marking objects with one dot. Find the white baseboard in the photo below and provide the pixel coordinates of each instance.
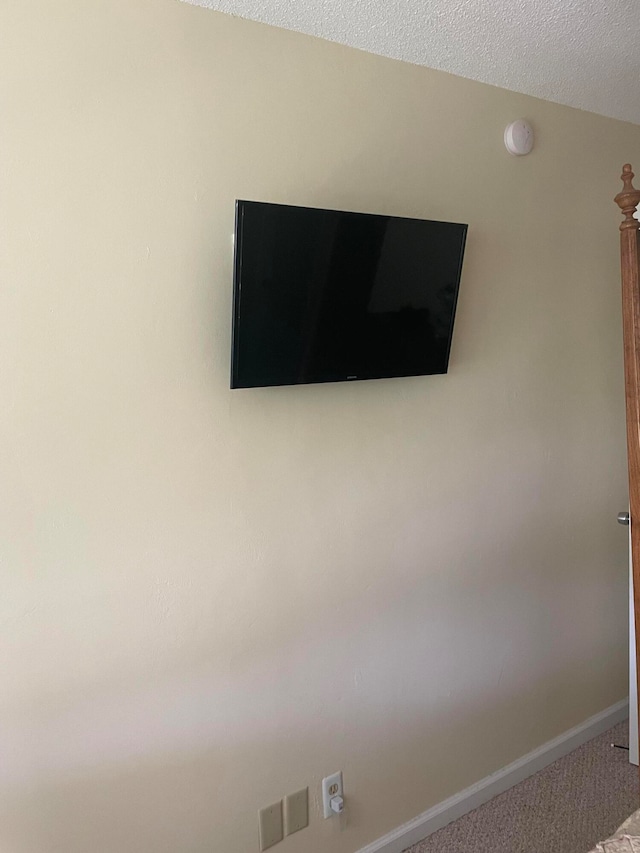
(435, 818)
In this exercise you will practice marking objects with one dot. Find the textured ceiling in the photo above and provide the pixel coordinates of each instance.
(583, 53)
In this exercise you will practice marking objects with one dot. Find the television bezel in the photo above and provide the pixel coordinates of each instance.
(237, 286)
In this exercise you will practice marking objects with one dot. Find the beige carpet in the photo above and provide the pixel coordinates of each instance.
(566, 808)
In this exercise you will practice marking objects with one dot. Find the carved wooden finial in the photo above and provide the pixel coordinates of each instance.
(627, 177)
(628, 199)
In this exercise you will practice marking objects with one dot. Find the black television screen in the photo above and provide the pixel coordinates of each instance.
(327, 296)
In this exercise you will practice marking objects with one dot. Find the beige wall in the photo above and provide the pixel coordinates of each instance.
(212, 598)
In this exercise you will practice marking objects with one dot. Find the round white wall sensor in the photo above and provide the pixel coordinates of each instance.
(518, 137)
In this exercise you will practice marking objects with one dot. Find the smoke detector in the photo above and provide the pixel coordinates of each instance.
(518, 137)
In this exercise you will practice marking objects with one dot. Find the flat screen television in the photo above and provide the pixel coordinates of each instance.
(330, 296)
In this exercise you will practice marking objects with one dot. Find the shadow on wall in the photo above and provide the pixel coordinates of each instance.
(180, 800)
(143, 765)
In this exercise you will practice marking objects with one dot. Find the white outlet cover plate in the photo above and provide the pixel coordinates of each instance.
(296, 811)
(270, 825)
(331, 787)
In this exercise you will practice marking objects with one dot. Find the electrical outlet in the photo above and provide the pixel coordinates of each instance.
(331, 787)
(296, 811)
(270, 824)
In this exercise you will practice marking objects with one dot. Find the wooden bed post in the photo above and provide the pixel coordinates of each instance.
(628, 201)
